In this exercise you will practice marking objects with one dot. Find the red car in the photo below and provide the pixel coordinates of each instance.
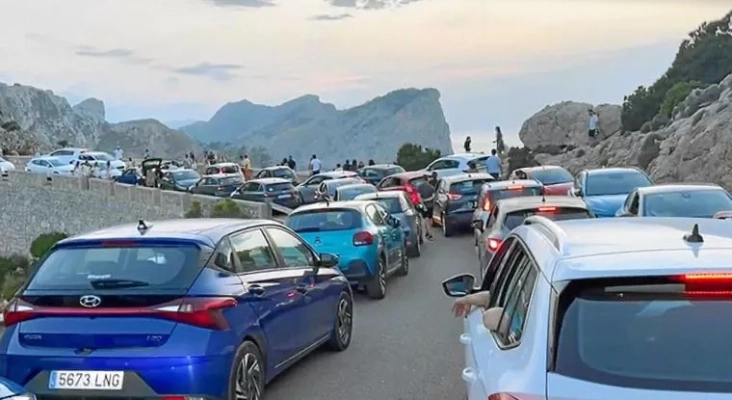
(408, 182)
(557, 181)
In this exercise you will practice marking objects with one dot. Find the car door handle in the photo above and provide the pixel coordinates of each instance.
(469, 375)
(465, 339)
(256, 290)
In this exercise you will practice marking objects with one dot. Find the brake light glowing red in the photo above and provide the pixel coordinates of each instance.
(487, 204)
(502, 396)
(118, 243)
(414, 196)
(493, 244)
(516, 187)
(546, 209)
(454, 196)
(363, 238)
(708, 278)
(203, 312)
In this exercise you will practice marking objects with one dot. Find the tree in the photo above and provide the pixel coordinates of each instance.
(43, 243)
(63, 143)
(676, 95)
(705, 57)
(413, 157)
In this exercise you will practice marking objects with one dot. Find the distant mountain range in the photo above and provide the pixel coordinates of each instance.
(305, 126)
(176, 124)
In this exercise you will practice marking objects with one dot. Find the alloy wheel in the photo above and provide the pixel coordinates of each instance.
(345, 321)
(382, 276)
(442, 223)
(249, 378)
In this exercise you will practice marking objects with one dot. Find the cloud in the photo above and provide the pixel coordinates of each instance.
(326, 17)
(125, 55)
(218, 72)
(370, 4)
(243, 3)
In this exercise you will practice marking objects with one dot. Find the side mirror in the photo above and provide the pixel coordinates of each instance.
(328, 260)
(492, 318)
(459, 285)
(221, 261)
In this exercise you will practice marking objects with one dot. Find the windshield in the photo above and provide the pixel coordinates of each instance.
(102, 156)
(350, 193)
(324, 220)
(334, 184)
(468, 187)
(552, 176)
(654, 333)
(83, 268)
(185, 175)
(614, 183)
(517, 218)
(230, 180)
(279, 187)
(284, 173)
(688, 203)
(392, 204)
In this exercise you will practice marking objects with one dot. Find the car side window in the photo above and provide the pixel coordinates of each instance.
(633, 208)
(315, 180)
(374, 215)
(294, 252)
(452, 164)
(511, 327)
(224, 256)
(505, 275)
(253, 251)
(493, 217)
(494, 265)
(382, 211)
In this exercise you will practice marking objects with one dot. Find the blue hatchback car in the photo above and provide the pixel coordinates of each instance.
(370, 243)
(605, 189)
(204, 308)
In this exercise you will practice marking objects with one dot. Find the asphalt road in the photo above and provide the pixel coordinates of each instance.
(404, 347)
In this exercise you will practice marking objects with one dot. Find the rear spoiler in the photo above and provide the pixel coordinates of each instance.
(723, 215)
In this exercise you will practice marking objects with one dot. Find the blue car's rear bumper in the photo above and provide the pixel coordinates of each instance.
(358, 267)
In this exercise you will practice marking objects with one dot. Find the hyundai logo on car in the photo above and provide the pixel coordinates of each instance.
(90, 301)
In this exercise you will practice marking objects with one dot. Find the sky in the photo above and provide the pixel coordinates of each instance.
(495, 62)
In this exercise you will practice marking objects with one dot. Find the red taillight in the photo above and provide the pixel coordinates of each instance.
(506, 396)
(493, 244)
(363, 238)
(414, 196)
(204, 312)
(118, 243)
(487, 204)
(708, 278)
(454, 196)
(708, 284)
(517, 187)
(220, 187)
(546, 209)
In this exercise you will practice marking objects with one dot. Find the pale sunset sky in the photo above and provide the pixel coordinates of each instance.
(496, 62)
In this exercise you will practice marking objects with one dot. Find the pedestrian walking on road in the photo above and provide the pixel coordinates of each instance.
(466, 145)
(493, 165)
(315, 165)
(593, 129)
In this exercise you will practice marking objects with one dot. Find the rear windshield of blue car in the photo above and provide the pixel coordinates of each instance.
(129, 266)
(552, 176)
(468, 187)
(689, 203)
(325, 220)
(614, 183)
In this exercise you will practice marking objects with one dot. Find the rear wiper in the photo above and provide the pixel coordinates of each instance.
(116, 283)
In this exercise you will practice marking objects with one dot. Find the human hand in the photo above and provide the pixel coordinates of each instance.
(463, 305)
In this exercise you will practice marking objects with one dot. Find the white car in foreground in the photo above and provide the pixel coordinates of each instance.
(48, 166)
(6, 165)
(603, 309)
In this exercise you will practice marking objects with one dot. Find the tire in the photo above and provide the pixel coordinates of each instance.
(247, 376)
(416, 249)
(404, 267)
(340, 338)
(447, 231)
(376, 289)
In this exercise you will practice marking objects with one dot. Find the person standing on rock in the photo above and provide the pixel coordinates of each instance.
(118, 153)
(467, 144)
(493, 165)
(593, 126)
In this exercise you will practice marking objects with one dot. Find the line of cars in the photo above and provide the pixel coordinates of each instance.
(573, 303)
(63, 161)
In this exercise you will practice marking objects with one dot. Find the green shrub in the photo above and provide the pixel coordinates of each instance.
(227, 208)
(13, 272)
(44, 242)
(520, 157)
(413, 157)
(196, 211)
(676, 95)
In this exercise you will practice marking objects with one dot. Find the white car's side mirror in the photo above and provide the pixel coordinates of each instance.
(492, 318)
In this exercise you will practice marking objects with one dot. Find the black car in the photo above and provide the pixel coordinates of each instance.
(221, 185)
(179, 179)
(375, 173)
(279, 191)
(279, 171)
(456, 199)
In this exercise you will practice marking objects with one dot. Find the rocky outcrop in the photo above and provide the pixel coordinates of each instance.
(42, 121)
(695, 146)
(306, 126)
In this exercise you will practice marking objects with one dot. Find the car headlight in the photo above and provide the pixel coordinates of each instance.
(24, 396)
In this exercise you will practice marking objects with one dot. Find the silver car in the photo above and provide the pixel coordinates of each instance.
(350, 192)
(456, 164)
(398, 205)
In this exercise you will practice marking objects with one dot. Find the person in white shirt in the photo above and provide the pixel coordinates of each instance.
(315, 165)
(338, 168)
(118, 153)
(594, 120)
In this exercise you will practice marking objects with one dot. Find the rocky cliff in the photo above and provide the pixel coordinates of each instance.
(40, 120)
(306, 126)
(694, 146)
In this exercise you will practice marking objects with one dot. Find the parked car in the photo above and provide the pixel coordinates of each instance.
(179, 179)
(309, 188)
(48, 166)
(277, 190)
(6, 165)
(67, 155)
(397, 204)
(556, 180)
(100, 159)
(350, 192)
(456, 164)
(10, 390)
(605, 189)
(373, 174)
(279, 171)
(369, 242)
(194, 308)
(602, 309)
(507, 214)
(225, 168)
(703, 200)
(414, 184)
(131, 176)
(456, 199)
(491, 192)
(217, 185)
(330, 186)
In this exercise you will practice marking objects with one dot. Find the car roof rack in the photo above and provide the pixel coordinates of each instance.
(552, 231)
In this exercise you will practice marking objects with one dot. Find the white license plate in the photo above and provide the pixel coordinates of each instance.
(284, 196)
(86, 380)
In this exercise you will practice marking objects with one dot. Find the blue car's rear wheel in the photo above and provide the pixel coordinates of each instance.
(343, 327)
(376, 288)
(247, 377)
